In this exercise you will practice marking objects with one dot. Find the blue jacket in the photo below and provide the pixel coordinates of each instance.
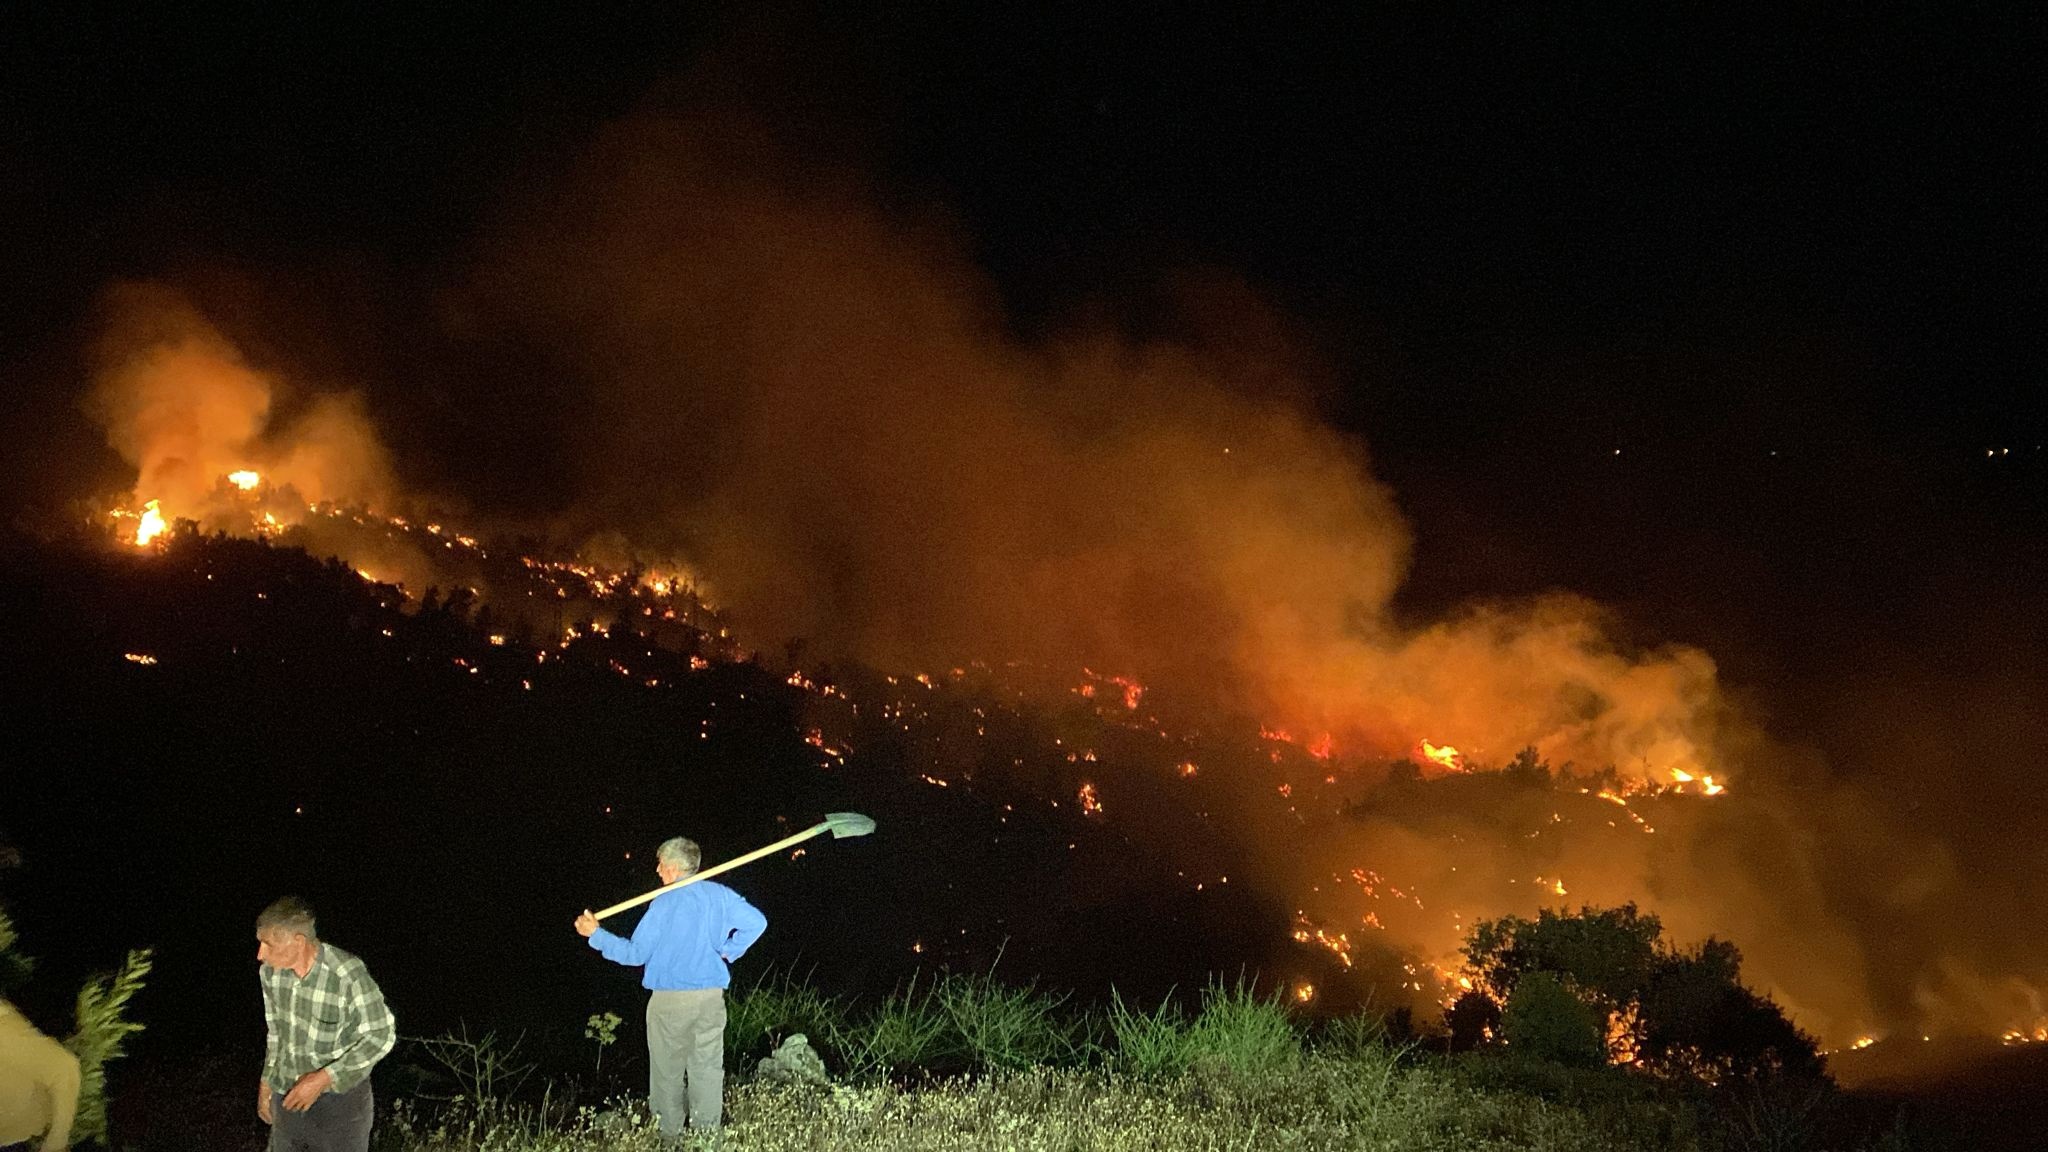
(687, 937)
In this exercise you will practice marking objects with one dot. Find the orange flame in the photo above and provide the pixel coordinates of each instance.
(246, 480)
(1090, 802)
(1444, 756)
(152, 525)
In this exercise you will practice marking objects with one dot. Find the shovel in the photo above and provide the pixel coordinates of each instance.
(839, 824)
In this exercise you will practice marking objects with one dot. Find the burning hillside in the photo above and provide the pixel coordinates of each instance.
(1136, 579)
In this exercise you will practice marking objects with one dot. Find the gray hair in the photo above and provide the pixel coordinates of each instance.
(289, 913)
(681, 852)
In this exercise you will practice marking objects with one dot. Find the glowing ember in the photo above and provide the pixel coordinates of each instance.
(245, 480)
(1131, 690)
(143, 658)
(1307, 932)
(1444, 756)
(1304, 992)
(152, 525)
(1322, 747)
(1090, 802)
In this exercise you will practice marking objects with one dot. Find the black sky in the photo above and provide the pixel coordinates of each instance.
(1713, 318)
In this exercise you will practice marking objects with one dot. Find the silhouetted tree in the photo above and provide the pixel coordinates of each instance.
(1697, 1019)
(1473, 1019)
(1528, 768)
(1684, 1012)
(1608, 953)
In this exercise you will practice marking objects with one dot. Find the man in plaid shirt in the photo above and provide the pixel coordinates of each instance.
(328, 1026)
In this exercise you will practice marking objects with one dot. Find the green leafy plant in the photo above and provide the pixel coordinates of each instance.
(602, 1029)
(102, 1033)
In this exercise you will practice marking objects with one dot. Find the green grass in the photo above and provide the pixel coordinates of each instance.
(1322, 1103)
(1000, 1026)
(1241, 1032)
(909, 1031)
(1149, 1045)
(963, 1062)
(760, 1016)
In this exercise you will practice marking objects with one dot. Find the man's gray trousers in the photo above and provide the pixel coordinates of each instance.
(686, 1058)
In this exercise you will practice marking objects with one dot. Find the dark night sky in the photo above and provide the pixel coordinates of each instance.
(1790, 266)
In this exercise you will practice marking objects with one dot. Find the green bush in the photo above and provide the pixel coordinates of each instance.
(1544, 1019)
(103, 1032)
(1634, 1110)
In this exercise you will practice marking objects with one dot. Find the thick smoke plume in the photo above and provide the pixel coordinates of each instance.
(182, 404)
(827, 410)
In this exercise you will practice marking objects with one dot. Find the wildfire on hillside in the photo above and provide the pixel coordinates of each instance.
(1287, 545)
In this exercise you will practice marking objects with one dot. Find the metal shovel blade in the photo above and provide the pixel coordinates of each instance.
(844, 824)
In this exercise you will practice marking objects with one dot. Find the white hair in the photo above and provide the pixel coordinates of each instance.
(681, 852)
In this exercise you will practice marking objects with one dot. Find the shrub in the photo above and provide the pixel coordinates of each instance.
(102, 1033)
(480, 1071)
(1684, 1011)
(1546, 1020)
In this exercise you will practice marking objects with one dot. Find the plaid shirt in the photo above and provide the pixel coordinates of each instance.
(335, 1019)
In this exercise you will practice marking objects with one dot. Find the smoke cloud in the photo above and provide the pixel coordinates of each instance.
(180, 402)
(826, 409)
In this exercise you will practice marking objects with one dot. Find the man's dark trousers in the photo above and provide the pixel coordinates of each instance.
(337, 1122)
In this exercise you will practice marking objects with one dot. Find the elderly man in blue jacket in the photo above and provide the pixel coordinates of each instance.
(685, 941)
